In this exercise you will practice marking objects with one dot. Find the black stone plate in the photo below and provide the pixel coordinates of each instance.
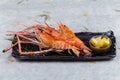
(64, 56)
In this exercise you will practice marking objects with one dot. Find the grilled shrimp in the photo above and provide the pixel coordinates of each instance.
(50, 39)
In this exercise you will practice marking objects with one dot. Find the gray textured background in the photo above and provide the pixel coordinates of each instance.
(101, 15)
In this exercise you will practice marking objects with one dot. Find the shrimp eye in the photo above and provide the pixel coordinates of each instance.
(40, 29)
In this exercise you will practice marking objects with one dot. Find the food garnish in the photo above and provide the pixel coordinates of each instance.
(99, 42)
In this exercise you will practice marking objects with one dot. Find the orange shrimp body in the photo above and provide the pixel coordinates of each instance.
(57, 35)
(53, 32)
(50, 42)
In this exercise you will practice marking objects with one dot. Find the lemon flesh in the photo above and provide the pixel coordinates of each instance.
(99, 42)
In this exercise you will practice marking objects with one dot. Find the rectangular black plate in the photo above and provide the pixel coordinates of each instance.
(85, 37)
